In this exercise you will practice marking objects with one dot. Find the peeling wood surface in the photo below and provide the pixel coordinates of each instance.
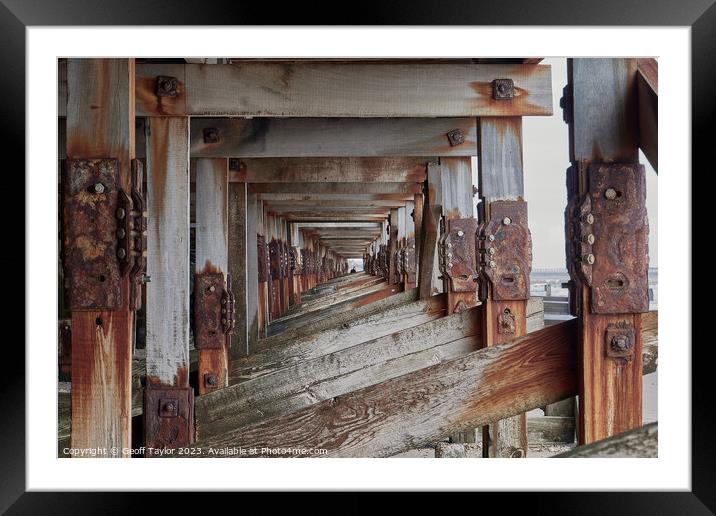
(167, 306)
(100, 123)
(332, 137)
(346, 90)
(638, 443)
(422, 407)
(334, 374)
(339, 170)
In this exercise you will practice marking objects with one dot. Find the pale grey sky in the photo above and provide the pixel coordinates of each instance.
(546, 159)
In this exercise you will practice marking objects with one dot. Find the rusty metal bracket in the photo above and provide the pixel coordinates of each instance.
(285, 260)
(503, 89)
(275, 265)
(506, 322)
(293, 264)
(608, 238)
(505, 250)
(132, 235)
(90, 199)
(262, 255)
(228, 308)
(166, 86)
(210, 323)
(456, 254)
(168, 418)
(619, 340)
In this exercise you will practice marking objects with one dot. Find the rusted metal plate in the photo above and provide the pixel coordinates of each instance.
(619, 275)
(305, 262)
(90, 199)
(275, 265)
(285, 260)
(262, 255)
(457, 254)
(132, 235)
(505, 247)
(619, 340)
(208, 295)
(228, 308)
(168, 418)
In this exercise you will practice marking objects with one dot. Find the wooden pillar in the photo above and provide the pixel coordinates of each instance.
(409, 247)
(392, 243)
(100, 124)
(212, 255)
(607, 255)
(263, 286)
(252, 273)
(238, 247)
(428, 282)
(501, 179)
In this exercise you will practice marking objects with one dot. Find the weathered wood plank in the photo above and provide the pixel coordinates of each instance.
(637, 443)
(347, 90)
(167, 310)
(238, 243)
(212, 248)
(100, 123)
(648, 95)
(334, 374)
(339, 170)
(331, 137)
(252, 272)
(432, 211)
(422, 407)
(551, 429)
(604, 129)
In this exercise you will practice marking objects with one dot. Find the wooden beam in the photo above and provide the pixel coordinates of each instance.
(428, 283)
(238, 243)
(604, 129)
(100, 123)
(334, 203)
(263, 89)
(252, 272)
(648, 94)
(638, 443)
(212, 249)
(334, 374)
(167, 310)
(355, 188)
(331, 137)
(323, 197)
(501, 178)
(338, 170)
(420, 408)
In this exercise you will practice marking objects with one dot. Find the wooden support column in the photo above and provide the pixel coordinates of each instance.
(604, 128)
(263, 286)
(409, 279)
(238, 247)
(212, 253)
(392, 244)
(286, 272)
(501, 179)
(428, 282)
(252, 273)
(418, 228)
(100, 124)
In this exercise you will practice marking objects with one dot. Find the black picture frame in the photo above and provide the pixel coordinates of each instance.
(16, 15)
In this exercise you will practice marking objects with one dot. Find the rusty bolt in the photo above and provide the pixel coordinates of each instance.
(460, 233)
(166, 86)
(212, 288)
(121, 233)
(211, 380)
(98, 188)
(456, 137)
(491, 250)
(493, 264)
(169, 407)
(491, 238)
(211, 135)
(610, 194)
(589, 259)
(121, 253)
(589, 218)
(121, 213)
(507, 221)
(620, 343)
(474, 190)
(503, 89)
(588, 239)
(146, 278)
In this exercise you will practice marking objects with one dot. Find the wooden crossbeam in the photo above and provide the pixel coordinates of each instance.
(264, 89)
(350, 188)
(648, 94)
(331, 137)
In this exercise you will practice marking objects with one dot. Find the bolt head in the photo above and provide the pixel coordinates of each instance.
(588, 239)
(121, 213)
(493, 264)
(589, 259)
(491, 250)
(589, 218)
(121, 233)
(98, 188)
(211, 379)
(212, 288)
(507, 221)
(610, 194)
(121, 252)
(491, 238)
(620, 343)
(460, 233)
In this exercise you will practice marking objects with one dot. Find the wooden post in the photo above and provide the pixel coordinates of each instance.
(212, 252)
(501, 179)
(418, 229)
(410, 217)
(428, 282)
(238, 247)
(603, 122)
(252, 274)
(263, 286)
(100, 123)
(392, 243)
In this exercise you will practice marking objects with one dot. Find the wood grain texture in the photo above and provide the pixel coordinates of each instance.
(351, 90)
(212, 248)
(422, 407)
(334, 374)
(638, 443)
(322, 170)
(167, 310)
(239, 242)
(100, 123)
(348, 188)
(428, 283)
(252, 272)
(551, 429)
(331, 137)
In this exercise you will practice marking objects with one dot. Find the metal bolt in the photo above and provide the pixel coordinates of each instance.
(610, 194)
(620, 342)
(449, 245)
(166, 86)
(211, 379)
(460, 233)
(121, 213)
(491, 238)
(492, 250)
(146, 278)
(211, 135)
(98, 188)
(121, 252)
(589, 218)
(456, 137)
(212, 288)
(449, 265)
(493, 264)
(588, 239)
(121, 233)
(507, 221)
(589, 259)
(223, 301)
(169, 407)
